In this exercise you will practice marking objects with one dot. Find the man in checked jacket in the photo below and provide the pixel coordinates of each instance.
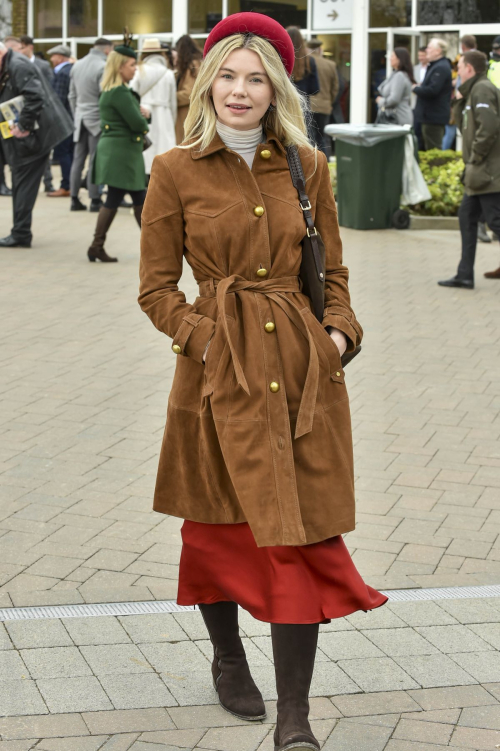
(63, 152)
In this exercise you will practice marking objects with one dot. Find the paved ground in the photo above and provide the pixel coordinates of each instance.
(84, 380)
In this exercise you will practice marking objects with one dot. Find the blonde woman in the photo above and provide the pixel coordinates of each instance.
(118, 163)
(154, 82)
(257, 452)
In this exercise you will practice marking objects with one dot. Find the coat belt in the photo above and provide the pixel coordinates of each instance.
(274, 289)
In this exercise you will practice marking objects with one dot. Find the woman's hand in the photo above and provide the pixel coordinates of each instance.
(339, 338)
(145, 111)
(378, 99)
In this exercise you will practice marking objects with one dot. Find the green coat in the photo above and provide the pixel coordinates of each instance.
(478, 117)
(119, 161)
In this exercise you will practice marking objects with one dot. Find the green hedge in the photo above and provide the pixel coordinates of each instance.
(441, 171)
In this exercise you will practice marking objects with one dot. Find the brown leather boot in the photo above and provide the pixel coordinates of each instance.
(137, 214)
(237, 691)
(493, 274)
(96, 251)
(294, 649)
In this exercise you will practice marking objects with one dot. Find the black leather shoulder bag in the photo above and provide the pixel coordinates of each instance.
(312, 268)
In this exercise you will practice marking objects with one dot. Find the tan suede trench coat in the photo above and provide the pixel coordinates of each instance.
(260, 433)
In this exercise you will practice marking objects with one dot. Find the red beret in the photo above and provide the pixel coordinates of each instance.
(260, 25)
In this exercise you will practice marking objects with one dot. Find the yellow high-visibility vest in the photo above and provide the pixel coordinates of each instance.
(494, 72)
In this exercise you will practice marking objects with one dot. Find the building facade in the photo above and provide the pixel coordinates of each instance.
(356, 33)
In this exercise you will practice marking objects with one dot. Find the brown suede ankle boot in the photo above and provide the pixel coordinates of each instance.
(96, 251)
(493, 274)
(137, 214)
(237, 691)
(294, 649)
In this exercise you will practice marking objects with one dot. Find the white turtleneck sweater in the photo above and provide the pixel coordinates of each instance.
(244, 142)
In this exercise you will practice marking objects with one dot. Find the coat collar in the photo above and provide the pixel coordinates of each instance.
(218, 145)
(466, 88)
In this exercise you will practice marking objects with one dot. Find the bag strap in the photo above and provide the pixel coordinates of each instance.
(299, 183)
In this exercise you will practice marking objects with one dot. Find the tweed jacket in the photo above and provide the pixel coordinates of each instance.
(84, 92)
(261, 432)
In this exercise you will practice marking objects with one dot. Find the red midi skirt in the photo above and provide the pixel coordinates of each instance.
(282, 584)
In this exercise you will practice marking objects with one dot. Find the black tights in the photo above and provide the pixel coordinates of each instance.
(116, 195)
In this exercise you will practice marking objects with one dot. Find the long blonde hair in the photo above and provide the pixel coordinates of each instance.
(111, 78)
(286, 120)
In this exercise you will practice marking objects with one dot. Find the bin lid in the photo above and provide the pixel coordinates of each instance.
(366, 135)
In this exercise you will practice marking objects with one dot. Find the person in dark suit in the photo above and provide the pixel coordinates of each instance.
(63, 153)
(45, 69)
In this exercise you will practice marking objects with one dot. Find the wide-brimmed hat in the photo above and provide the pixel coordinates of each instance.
(314, 44)
(152, 44)
(260, 25)
(60, 49)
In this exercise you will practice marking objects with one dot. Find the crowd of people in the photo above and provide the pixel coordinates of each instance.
(114, 110)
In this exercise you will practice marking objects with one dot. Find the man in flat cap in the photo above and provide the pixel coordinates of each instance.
(84, 93)
(63, 153)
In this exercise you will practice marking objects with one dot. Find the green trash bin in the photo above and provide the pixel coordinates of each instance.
(369, 173)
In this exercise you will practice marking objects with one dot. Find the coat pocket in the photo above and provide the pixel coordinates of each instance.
(477, 177)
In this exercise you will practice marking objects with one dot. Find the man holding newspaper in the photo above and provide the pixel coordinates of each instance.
(32, 122)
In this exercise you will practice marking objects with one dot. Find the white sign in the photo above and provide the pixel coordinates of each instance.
(332, 14)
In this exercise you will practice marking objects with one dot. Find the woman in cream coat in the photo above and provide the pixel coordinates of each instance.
(155, 83)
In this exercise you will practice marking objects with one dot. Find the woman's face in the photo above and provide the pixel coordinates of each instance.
(127, 70)
(242, 91)
(394, 61)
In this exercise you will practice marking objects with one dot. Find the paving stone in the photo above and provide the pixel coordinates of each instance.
(377, 674)
(55, 566)
(348, 736)
(116, 659)
(400, 641)
(483, 666)
(83, 694)
(247, 738)
(157, 627)
(487, 717)
(471, 610)
(5, 642)
(12, 667)
(425, 732)
(110, 560)
(446, 716)
(195, 687)
(379, 618)
(488, 632)
(193, 625)
(55, 662)
(421, 613)
(127, 721)
(122, 742)
(475, 738)
(397, 745)
(18, 745)
(175, 658)
(137, 691)
(435, 670)
(38, 633)
(40, 598)
(381, 720)
(449, 639)
(95, 631)
(140, 746)
(86, 743)
(349, 644)
(449, 698)
(20, 697)
(44, 726)
(114, 594)
(208, 716)
(374, 704)
(180, 738)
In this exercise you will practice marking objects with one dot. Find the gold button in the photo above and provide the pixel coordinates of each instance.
(258, 210)
(176, 349)
(138, 138)
(337, 373)
(261, 272)
(274, 387)
(269, 327)
(107, 127)
(265, 154)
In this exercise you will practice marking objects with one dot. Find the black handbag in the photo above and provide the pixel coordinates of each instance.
(386, 116)
(312, 267)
